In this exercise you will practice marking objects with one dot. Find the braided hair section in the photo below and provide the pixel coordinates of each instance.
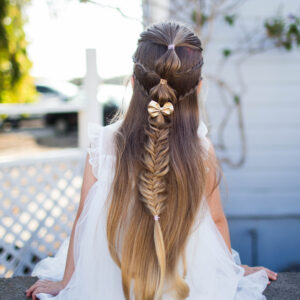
(149, 221)
(155, 76)
(155, 159)
(159, 179)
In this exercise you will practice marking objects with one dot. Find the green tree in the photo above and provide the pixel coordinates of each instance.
(16, 84)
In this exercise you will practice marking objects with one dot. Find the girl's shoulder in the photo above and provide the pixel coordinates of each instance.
(100, 143)
(99, 134)
(202, 133)
(96, 129)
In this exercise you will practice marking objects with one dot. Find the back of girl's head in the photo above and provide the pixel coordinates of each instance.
(180, 64)
(159, 180)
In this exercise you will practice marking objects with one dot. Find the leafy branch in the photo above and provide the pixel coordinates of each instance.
(118, 9)
(16, 84)
(274, 33)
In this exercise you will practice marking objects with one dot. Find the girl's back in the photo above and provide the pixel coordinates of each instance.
(145, 230)
(212, 271)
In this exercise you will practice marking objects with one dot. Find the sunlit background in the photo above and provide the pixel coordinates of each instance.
(60, 31)
(65, 63)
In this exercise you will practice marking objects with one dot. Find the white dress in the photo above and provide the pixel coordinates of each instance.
(213, 273)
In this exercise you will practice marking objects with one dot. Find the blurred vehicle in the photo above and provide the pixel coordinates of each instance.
(51, 93)
(50, 90)
(55, 93)
(110, 96)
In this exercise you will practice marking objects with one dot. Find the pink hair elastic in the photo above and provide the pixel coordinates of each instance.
(156, 217)
(171, 46)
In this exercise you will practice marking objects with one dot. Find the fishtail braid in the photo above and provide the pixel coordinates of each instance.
(167, 184)
(155, 160)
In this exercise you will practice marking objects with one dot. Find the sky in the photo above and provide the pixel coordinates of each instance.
(60, 31)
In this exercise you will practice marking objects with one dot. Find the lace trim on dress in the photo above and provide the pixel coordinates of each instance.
(202, 132)
(95, 132)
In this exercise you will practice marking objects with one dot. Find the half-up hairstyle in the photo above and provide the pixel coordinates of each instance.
(160, 175)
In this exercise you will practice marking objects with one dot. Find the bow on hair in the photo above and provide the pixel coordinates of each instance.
(154, 109)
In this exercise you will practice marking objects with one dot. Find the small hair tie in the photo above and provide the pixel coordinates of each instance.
(156, 217)
(171, 46)
(163, 81)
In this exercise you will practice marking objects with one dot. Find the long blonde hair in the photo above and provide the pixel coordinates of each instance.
(159, 180)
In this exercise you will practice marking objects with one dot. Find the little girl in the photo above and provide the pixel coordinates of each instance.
(150, 223)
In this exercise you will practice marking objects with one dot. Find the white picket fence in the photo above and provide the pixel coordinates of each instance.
(38, 202)
(39, 195)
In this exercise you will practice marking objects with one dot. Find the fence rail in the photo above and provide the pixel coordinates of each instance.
(38, 202)
(39, 195)
(39, 108)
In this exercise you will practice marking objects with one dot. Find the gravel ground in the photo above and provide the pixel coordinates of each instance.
(25, 142)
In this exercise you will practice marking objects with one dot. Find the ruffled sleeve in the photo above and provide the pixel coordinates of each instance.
(202, 133)
(95, 135)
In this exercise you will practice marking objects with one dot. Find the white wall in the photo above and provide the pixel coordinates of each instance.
(269, 181)
(264, 194)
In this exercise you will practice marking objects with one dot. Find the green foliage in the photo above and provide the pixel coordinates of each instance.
(16, 84)
(199, 18)
(284, 32)
(275, 27)
(230, 19)
(226, 52)
(237, 99)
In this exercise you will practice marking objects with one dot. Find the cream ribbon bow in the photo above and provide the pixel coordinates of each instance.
(154, 109)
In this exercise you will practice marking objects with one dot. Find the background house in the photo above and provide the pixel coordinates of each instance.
(262, 196)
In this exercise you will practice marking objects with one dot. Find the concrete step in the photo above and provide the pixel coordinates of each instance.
(287, 286)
